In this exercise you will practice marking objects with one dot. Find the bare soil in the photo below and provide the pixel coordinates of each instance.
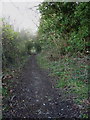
(34, 96)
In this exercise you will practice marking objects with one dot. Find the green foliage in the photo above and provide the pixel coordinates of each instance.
(64, 27)
(13, 46)
(37, 47)
(4, 92)
(33, 45)
(29, 46)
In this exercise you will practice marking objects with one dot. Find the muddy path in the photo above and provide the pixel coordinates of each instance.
(35, 97)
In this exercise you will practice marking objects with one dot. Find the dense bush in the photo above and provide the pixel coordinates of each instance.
(64, 27)
(13, 43)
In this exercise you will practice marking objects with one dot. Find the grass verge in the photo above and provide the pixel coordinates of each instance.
(72, 73)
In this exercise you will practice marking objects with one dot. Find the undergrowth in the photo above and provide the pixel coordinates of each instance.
(8, 76)
(72, 74)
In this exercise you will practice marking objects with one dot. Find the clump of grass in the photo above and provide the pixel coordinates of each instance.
(4, 91)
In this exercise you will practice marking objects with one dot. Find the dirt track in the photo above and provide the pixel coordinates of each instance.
(35, 97)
